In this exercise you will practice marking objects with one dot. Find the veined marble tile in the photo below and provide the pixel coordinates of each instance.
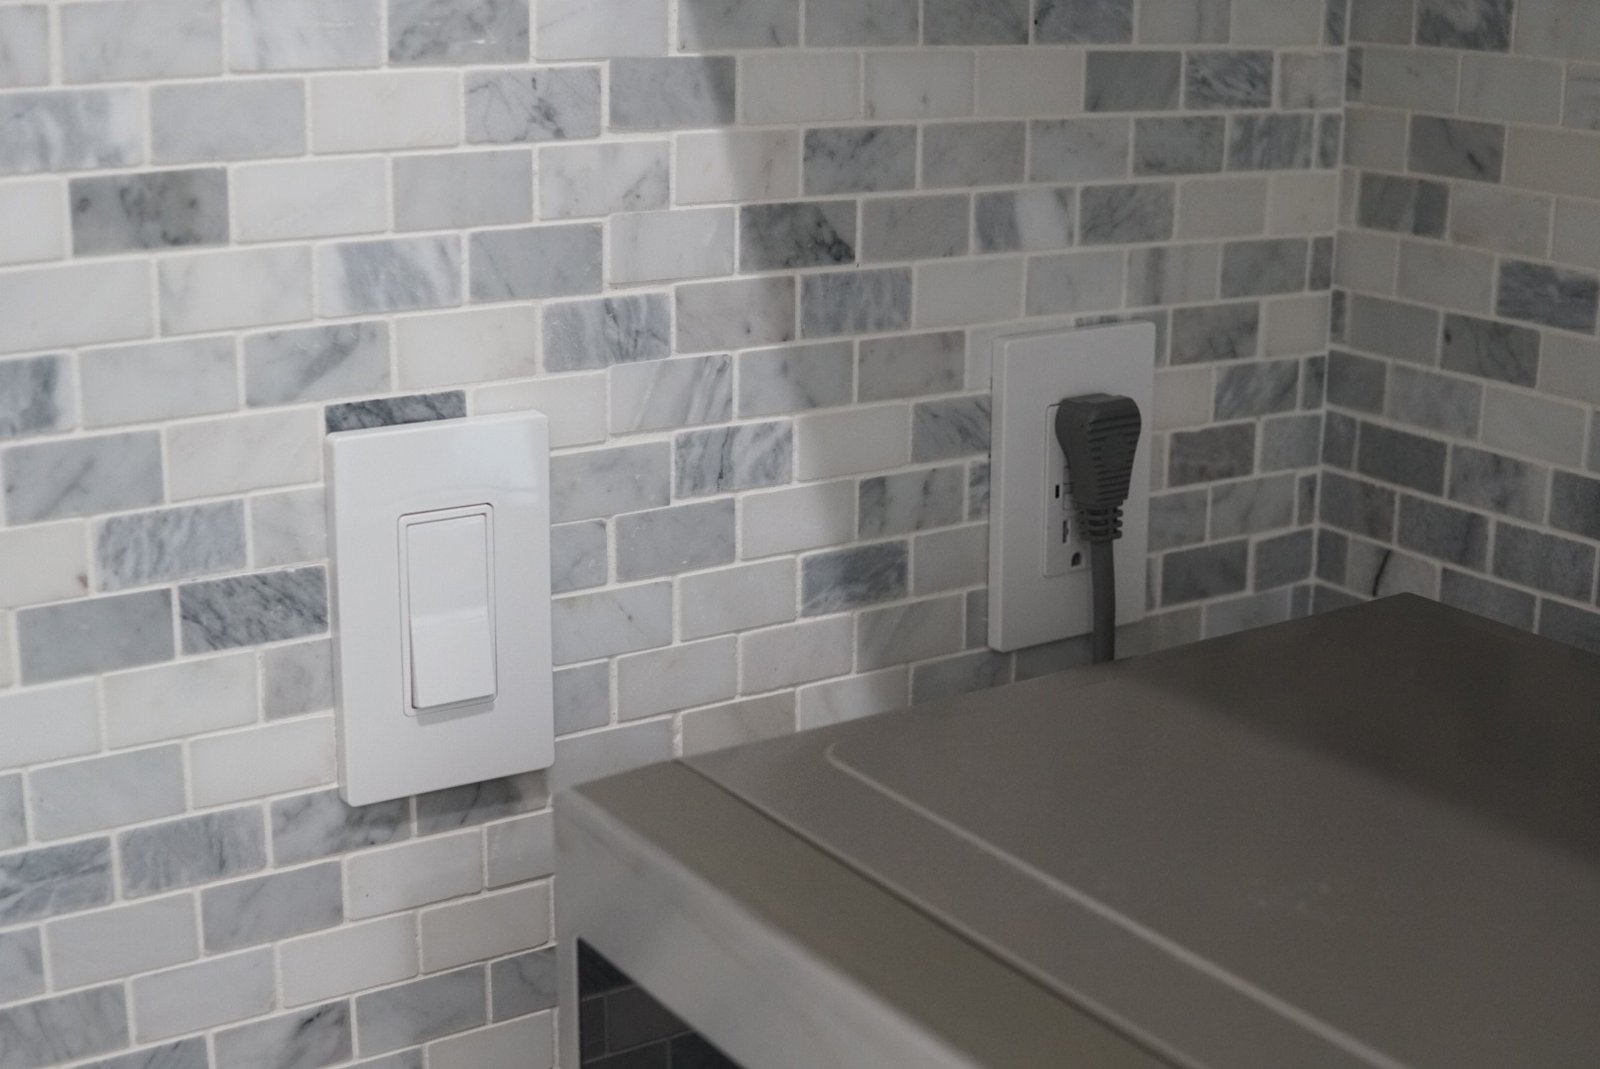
(1257, 389)
(953, 428)
(867, 159)
(911, 365)
(671, 245)
(1075, 282)
(852, 578)
(919, 85)
(539, 261)
(542, 104)
(392, 411)
(1106, 22)
(53, 880)
(297, 679)
(441, 31)
(1190, 145)
(421, 1010)
(735, 314)
(1072, 150)
(184, 1054)
(578, 29)
(1133, 81)
(171, 544)
(392, 110)
(1270, 143)
(1260, 268)
(1490, 349)
(578, 556)
(234, 288)
(121, 41)
(311, 826)
(360, 277)
(733, 458)
(247, 452)
(272, 907)
(200, 121)
(582, 698)
(35, 396)
(663, 394)
(729, 165)
(795, 378)
(611, 330)
(1177, 274)
(861, 22)
(1030, 220)
(1484, 25)
(590, 626)
(975, 22)
(856, 302)
(453, 191)
(522, 984)
(1228, 80)
(249, 610)
(21, 963)
(155, 210)
(973, 154)
(210, 992)
(70, 130)
(316, 363)
(705, 25)
(1453, 148)
(269, 35)
(317, 1035)
(775, 237)
(82, 475)
(665, 542)
(680, 91)
(912, 501)
(605, 482)
(57, 1030)
(24, 45)
(1549, 296)
(585, 180)
(914, 631)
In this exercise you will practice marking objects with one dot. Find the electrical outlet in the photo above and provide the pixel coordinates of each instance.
(1039, 583)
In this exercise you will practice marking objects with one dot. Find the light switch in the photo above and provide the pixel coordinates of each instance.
(449, 599)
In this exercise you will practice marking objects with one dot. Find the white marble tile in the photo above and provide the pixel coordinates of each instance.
(857, 440)
(796, 378)
(707, 25)
(79, 476)
(1303, 204)
(796, 653)
(736, 314)
(119, 40)
(91, 1021)
(487, 343)
(1030, 81)
(49, 723)
(544, 104)
(288, 528)
(454, 191)
(201, 120)
(71, 130)
(961, 293)
(663, 394)
(319, 1035)
(1532, 426)
(738, 723)
(220, 692)
(605, 623)
(580, 29)
(353, 958)
(919, 85)
(269, 760)
(736, 599)
(444, 31)
(574, 404)
(678, 677)
(316, 363)
(361, 277)
(322, 198)
(43, 307)
(392, 110)
(266, 35)
(102, 792)
(21, 957)
(862, 22)
(47, 562)
(209, 993)
(238, 453)
(671, 245)
(297, 679)
(413, 874)
(839, 700)
(219, 290)
(33, 219)
(525, 1043)
(727, 165)
(126, 384)
(584, 180)
(485, 927)
(24, 45)
(806, 87)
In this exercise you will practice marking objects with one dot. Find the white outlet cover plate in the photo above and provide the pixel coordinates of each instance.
(501, 467)
(1033, 370)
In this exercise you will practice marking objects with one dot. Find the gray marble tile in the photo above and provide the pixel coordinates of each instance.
(1252, 506)
(861, 22)
(1575, 627)
(21, 965)
(1444, 533)
(24, 45)
(601, 333)
(273, 907)
(457, 190)
(1543, 561)
(1502, 603)
(458, 31)
(1358, 507)
(393, 411)
(199, 121)
(1025, 220)
(1218, 332)
(303, 34)
(478, 803)
(605, 482)
(662, 394)
(1283, 560)
(52, 480)
(944, 429)
(704, 25)
(736, 314)
(525, 983)
(184, 1054)
(1330, 140)
(311, 826)
(733, 458)
(795, 378)
(855, 302)
(1333, 551)
(912, 365)
(360, 277)
(914, 631)
(170, 544)
(421, 1010)
(973, 153)
(1291, 442)
(910, 501)
(975, 22)
(204, 994)
(1073, 150)
(1270, 142)
(1173, 274)
(914, 228)
(248, 610)
(1133, 81)
(1100, 22)
(859, 159)
(1257, 389)
(592, 180)
(955, 676)
(536, 261)
(852, 578)
(1205, 572)
(538, 104)
(156, 210)
(1405, 205)
(297, 679)
(1184, 21)
(52, 880)
(1321, 269)
(1391, 328)
(1491, 350)
(609, 622)
(58, 1030)
(1575, 505)
(1262, 268)
(1211, 454)
(1118, 215)
(1484, 25)
(305, 1039)
(1178, 519)
(71, 130)
(1549, 296)
(35, 396)
(156, 39)
(1408, 460)
(1339, 440)
(667, 541)
(94, 635)
(13, 823)
(1190, 145)
(316, 363)
(1434, 402)
(1222, 79)
(577, 556)
(1311, 81)
(1455, 148)
(672, 93)
(191, 851)
(776, 237)
(582, 698)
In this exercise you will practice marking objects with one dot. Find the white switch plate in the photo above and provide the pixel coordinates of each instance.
(1038, 591)
(381, 483)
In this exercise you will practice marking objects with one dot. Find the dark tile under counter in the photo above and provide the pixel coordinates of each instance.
(622, 1026)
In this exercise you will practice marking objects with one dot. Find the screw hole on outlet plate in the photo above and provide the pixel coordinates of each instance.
(1077, 559)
